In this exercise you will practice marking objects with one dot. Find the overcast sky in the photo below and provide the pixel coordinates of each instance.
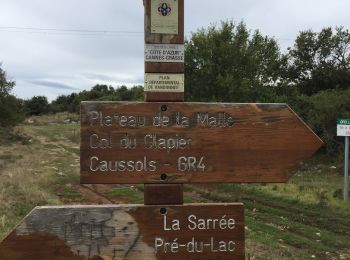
(55, 47)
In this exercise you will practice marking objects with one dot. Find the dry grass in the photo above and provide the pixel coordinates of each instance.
(21, 184)
(27, 172)
(58, 118)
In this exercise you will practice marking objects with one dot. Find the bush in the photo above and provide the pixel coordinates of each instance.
(37, 105)
(11, 111)
(11, 108)
(321, 111)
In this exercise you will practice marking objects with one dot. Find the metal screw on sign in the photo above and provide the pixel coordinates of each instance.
(163, 176)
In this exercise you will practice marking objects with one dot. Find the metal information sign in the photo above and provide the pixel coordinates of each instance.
(343, 127)
(138, 232)
(161, 82)
(164, 16)
(165, 53)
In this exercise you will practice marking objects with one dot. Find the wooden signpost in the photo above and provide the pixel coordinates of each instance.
(164, 143)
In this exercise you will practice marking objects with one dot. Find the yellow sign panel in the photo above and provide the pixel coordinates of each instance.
(165, 16)
(155, 82)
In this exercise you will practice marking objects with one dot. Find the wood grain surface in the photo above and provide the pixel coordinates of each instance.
(163, 194)
(166, 193)
(125, 142)
(137, 232)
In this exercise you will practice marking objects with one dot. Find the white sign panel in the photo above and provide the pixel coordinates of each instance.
(164, 53)
(165, 16)
(343, 127)
(156, 82)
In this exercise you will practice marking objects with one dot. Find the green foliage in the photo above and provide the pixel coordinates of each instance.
(63, 103)
(37, 105)
(71, 102)
(11, 111)
(10, 107)
(5, 85)
(323, 110)
(320, 61)
(232, 64)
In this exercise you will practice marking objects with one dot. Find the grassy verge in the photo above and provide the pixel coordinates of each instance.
(304, 223)
(38, 173)
(21, 182)
(126, 194)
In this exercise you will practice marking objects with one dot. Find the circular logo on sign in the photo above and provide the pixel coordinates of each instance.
(164, 9)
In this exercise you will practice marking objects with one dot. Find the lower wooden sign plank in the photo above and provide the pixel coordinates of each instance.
(211, 231)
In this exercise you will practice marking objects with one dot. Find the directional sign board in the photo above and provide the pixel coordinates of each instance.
(343, 127)
(135, 232)
(191, 142)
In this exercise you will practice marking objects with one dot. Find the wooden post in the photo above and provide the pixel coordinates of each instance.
(164, 33)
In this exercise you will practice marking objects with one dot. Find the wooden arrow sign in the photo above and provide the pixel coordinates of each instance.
(191, 142)
(137, 232)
